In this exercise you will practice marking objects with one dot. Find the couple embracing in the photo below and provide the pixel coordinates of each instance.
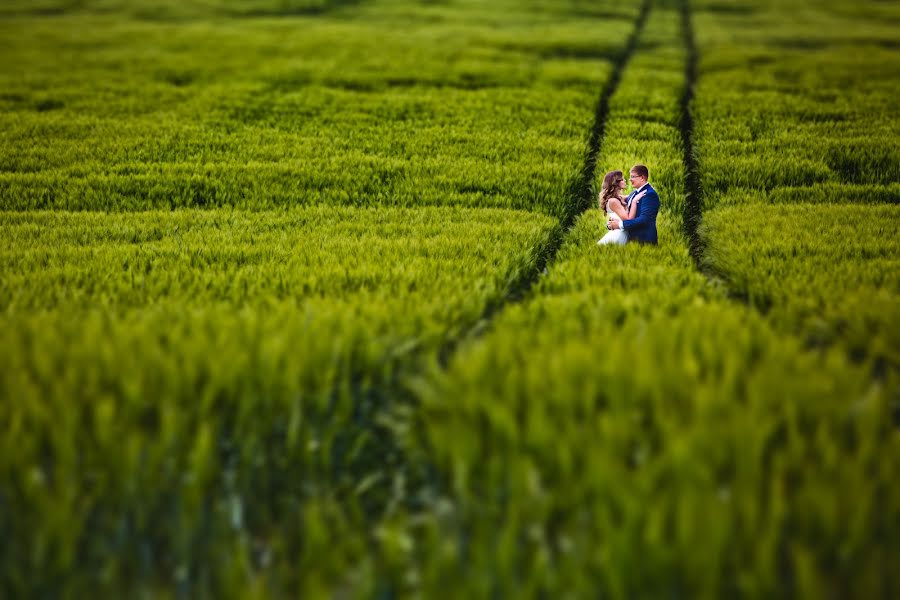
(632, 217)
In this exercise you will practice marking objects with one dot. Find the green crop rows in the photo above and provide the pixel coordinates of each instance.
(261, 113)
(168, 368)
(300, 298)
(797, 142)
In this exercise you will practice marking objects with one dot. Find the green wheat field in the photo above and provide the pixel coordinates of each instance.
(302, 299)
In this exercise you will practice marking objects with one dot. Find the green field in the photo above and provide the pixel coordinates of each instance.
(302, 298)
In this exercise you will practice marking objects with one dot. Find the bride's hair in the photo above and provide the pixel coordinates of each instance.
(610, 188)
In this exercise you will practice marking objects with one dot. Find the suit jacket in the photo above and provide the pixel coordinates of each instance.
(642, 227)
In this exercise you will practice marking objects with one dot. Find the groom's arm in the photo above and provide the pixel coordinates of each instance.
(649, 208)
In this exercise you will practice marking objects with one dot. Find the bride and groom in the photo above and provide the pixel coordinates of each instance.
(632, 217)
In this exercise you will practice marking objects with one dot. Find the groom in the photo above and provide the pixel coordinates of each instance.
(642, 228)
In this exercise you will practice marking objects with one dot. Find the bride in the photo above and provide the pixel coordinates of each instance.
(613, 203)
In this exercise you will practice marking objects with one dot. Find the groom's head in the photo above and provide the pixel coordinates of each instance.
(639, 176)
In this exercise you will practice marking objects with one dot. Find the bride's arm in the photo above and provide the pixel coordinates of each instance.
(634, 206)
(615, 205)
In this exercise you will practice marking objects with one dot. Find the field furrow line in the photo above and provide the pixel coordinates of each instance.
(399, 394)
(693, 192)
(580, 192)
(582, 188)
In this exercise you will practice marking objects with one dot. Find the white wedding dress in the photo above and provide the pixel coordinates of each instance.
(614, 236)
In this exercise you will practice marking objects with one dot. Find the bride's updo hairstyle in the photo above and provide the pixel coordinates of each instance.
(610, 188)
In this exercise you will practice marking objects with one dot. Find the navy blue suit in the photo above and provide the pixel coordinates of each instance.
(642, 228)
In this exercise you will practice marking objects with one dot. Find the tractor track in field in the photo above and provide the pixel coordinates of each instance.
(581, 189)
(580, 193)
(693, 191)
(396, 396)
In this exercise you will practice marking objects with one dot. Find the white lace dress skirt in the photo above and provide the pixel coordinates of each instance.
(616, 236)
